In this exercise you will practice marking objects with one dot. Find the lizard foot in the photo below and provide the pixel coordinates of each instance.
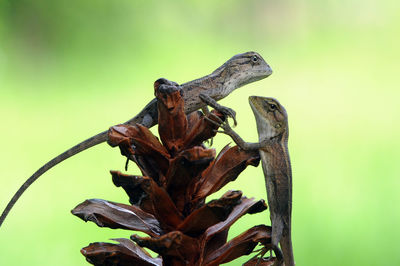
(228, 112)
(227, 130)
(210, 142)
(261, 259)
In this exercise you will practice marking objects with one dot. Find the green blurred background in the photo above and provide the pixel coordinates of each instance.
(70, 69)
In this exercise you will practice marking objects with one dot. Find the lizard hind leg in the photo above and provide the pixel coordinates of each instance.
(278, 255)
(261, 253)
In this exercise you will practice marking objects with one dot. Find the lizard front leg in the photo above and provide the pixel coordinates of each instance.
(205, 110)
(235, 136)
(222, 109)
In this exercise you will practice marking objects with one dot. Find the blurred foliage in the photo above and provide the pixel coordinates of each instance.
(70, 69)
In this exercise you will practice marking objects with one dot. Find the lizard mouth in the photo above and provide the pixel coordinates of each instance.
(268, 71)
(258, 76)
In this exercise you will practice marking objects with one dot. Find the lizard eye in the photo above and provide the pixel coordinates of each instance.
(255, 58)
(272, 106)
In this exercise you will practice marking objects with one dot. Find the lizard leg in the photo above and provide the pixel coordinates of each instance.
(226, 129)
(205, 110)
(261, 253)
(222, 109)
(126, 163)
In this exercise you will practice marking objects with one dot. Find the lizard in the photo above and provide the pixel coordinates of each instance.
(273, 132)
(238, 71)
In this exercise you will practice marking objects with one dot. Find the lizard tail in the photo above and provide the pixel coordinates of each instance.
(287, 249)
(281, 234)
(99, 138)
(277, 229)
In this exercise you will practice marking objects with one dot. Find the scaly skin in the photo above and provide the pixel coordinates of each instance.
(273, 132)
(238, 71)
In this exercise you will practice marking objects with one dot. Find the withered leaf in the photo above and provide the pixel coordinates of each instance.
(172, 244)
(215, 211)
(145, 142)
(172, 122)
(261, 261)
(238, 211)
(126, 253)
(168, 201)
(184, 170)
(132, 186)
(119, 135)
(240, 245)
(201, 129)
(193, 118)
(215, 242)
(164, 208)
(226, 167)
(116, 215)
(151, 157)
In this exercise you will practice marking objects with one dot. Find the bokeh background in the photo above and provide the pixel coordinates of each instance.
(70, 69)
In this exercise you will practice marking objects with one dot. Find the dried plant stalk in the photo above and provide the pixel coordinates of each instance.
(168, 201)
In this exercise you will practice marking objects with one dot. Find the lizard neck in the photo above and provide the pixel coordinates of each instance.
(275, 155)
(278, 161)
(277, 149)
(217, 85)
(228, 78)
(264, 127)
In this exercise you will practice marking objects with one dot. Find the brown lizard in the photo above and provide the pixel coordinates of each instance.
(273, 133)
(238, 71)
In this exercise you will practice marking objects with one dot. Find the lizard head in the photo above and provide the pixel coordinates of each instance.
(270, 115)
(244, 68)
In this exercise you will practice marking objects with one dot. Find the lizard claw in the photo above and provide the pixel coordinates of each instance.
(126, 163)
(227, 130)
(228, 112)
(130, 157)
(219, 121)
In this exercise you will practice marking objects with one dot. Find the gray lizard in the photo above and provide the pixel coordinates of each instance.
(273, 132)
(238, 71)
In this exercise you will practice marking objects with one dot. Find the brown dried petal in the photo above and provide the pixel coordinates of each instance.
(238, 211)
(173, 244)
(213, 212)
(193, 118)
(115, 215)
(126, 253)
(241, 245)
(184, 170)
(203, 129)
(172, 123)
(188, 165)
(164, 208)
(120, 136)
(151, 156)
(215, 242)
(226, 167)
(146, 143)
(135, 186)
(261, 261)
(132, 186)
(138, 135)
